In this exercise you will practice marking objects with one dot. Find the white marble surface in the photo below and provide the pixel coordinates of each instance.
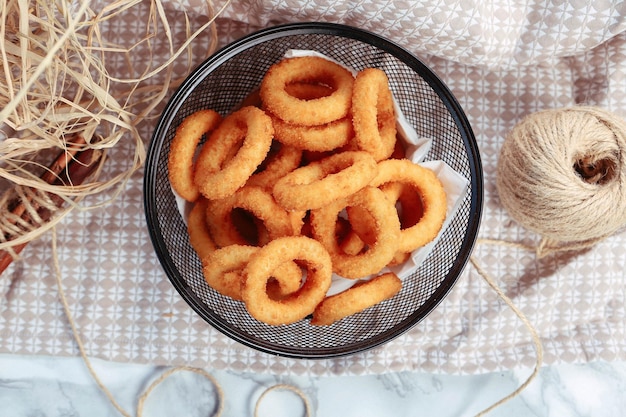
(61, 387)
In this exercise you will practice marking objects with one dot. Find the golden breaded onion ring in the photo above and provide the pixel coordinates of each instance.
(311, 70)
(180, 162)
(223, 269)
(357, 298)
(199, 236)
(379, 253)
(217, 175)
(373, 114)
(362, 233)
(295, 306)
(255, 200)
(433, 199)
(281, 160)
(318, 138)
(321, 182)
(308, 91)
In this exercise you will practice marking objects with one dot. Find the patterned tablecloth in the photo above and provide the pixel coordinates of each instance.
(502, 60)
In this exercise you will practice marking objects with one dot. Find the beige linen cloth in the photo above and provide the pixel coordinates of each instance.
(502, 60)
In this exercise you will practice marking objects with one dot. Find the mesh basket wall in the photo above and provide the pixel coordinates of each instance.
(221, 83)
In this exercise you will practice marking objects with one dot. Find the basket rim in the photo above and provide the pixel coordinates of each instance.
(252, 40)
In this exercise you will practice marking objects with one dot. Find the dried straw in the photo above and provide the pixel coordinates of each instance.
(66, 70)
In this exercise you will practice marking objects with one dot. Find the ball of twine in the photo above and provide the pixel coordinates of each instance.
(562, 174)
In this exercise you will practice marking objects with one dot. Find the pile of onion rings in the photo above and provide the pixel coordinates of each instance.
(306, 179)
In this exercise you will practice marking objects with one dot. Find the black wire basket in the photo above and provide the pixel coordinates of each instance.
(221, 83)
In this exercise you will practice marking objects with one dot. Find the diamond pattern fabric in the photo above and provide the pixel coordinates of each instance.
(502, 60)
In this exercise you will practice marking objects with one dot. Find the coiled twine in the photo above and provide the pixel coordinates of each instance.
(562, 174)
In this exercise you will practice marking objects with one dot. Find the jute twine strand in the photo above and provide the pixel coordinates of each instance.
(150, 389)
(83, 354)
(170, 372)
(308, 410)
(297, 391)
(531, 329)
(562, 174)
(75, 334)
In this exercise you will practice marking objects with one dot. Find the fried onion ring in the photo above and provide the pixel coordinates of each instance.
(223, 268)
(288, 280)
(373, 114)
(433, 199)
(199, 236)
(355, 299)
(308, 70)
(318, 138)
(352, 244)
(409, 206)
(297, 305)
(258, 202)
(379, 253)
(278, 164)
(228, 225)
(218, 176)
(324, 181)
(183, 148)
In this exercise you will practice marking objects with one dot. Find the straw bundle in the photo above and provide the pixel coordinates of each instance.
(75, 76)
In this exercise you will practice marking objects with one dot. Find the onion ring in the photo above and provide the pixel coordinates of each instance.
(308, 70)
(228, 225)
(399, 149)
(352, 244)
(379, 253)
(303, 91)
(362, 226)
(183, 148)
(433, 199)
(254, 200)
(324, 181)
(216, 175)
(297, 220)
(355, 299)
(288, 280)
(373, 114)
(199, 236)
(300, 90)
(317, 138)
(410, 210)
(276, 165)
(223, 268)
(399, 258)
(297, 305)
